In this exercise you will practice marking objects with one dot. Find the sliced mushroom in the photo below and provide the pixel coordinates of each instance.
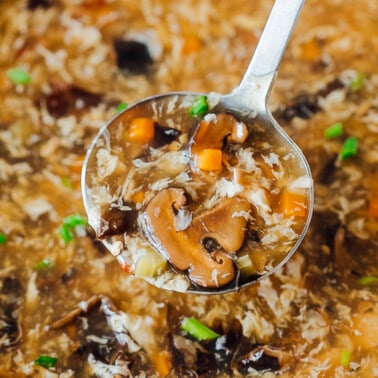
(185, 249)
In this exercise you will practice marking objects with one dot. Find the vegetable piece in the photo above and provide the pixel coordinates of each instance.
(245, 265)
(3, 238)
(334, 131)
(46, 361)
(69, 224)
(141, 130)
(293, 204)
(358, 82)
(209, 159)
(368, 280)
(18, 76)
(349, 148)
(121, 106)
(66, 182)
(197, 330)
(75, 220)
(139, 196)
(199, 107)
(191, 45)
(373, 207)
(150, 264)
(44, 264)
(163, 363)
(345, 357)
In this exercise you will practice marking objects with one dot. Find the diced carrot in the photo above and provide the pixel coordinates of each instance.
(373, 207)
(126, 267)
(293, 204)
(209, 159)
(163, 363)
(138, 197)
(141, 130)
(310, 50)
(191, 44)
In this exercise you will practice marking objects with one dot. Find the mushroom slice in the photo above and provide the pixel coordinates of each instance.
(185, 249)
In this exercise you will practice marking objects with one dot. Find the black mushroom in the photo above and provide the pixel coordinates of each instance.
(185, 248)
(132, 56)
(34, 4)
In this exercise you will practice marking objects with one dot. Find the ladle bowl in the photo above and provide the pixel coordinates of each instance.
(247, 102)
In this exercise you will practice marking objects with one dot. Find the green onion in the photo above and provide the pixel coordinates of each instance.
(3, 238)
(197, 330)
(66, 182)
(69, 223)
(345, 357)
(334, 131)
(75, 220)
(368, 280)
(121, 106)
(66, 233)
(199, 107)
(357, 83)
(46, 361)
(44, 264)
(18, 76)
(349, 148)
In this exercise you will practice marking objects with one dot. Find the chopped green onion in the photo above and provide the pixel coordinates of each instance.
(18, 76)
(69, 223)
(368, 280)
(199, 107)
(3, 238)
(46, 361)
(44, 264)
(66, 233)
(197, 330)
(345, 357)
(334, 131)
(357, 83)
(121, 106)
(349, 148)
(75, 220)
(66, 182)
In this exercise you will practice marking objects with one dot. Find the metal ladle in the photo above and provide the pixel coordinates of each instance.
(248, 102)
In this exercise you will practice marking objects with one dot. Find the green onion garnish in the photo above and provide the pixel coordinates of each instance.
(69, 223)
(349, 148)
(44, 264)
(18, 76)
(334, 131)
(368, 280)
(66, 182)
(121, 106)
(357, 83)
(199, 107)
(197, 330)
(3, 238)
(345, 357)
(46, 361)
(75, 220)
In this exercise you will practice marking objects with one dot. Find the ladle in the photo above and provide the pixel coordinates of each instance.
(247, 102)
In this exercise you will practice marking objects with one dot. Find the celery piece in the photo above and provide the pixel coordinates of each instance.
(121, 106)
(358, 82)
(197, 330)
(368, 280)
(345, 357)
(44, 264)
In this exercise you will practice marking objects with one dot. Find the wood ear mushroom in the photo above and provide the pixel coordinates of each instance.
(185, 249)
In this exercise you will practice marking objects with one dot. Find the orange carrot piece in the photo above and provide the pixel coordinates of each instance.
(373, 207)
(209, 159)
(141, 130)
(163, 363)
(293, 204)
(191, 44)
(138, 197)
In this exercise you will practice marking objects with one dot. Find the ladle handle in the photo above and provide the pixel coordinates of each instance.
(273, 41)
